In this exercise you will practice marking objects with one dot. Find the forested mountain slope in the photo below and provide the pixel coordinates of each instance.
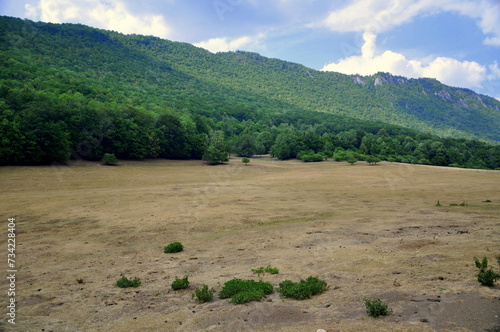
(71, 89)
(161, 66)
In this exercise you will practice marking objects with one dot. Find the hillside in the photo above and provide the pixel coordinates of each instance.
(69, 88)
(421, 104)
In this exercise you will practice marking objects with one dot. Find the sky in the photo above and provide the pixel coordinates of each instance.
(454, 41)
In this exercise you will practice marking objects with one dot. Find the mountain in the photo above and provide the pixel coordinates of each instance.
(421, 104)
(95, 91)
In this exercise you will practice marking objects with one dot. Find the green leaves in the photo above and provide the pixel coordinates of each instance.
(181, 283)
(303, 289)
(173, 247)
(242, 291)
(94, 92)
(486, 277)
(204, 294)
(123, 282)
(109, 159)
(216, 151)
(263, 270)
(376, 308)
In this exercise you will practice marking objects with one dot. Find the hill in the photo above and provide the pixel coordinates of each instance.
(69, 88)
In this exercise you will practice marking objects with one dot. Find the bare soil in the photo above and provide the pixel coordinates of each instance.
(369, 231)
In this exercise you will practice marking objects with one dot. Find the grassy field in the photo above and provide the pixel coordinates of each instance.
(369, 231)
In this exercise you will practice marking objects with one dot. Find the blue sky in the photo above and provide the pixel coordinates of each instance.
(454, 41)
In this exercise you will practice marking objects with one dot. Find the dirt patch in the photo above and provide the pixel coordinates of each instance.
(470, 311)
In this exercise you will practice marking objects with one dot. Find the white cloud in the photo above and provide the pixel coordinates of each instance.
(110, 15)
(450, 71)
(368, 48)
(382, 15)
(224, 44)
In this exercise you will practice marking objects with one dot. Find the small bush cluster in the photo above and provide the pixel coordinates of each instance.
(376, 308)
(486, 277)
(263, 270)
(311, 156)
(204, 294)
(180, 283)
(123, 282)
(303, 289)
(243, 291)
(173, 247)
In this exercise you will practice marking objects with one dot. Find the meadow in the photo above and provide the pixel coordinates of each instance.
(368, 231)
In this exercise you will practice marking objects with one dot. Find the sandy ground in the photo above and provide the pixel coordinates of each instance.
(369, 231)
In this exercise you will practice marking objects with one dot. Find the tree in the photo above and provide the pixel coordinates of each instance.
(286, 146)
(351, 160)
(372, 160)
(245, 145)
(215, 148)
(245, 160)
(173, 140)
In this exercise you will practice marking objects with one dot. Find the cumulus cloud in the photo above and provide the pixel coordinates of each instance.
(450, 71)
(224, 44)
(382, 15)
(110, 15)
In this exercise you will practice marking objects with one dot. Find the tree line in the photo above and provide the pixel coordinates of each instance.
(39, 127)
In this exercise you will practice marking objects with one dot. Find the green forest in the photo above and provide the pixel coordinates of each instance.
(68, 91)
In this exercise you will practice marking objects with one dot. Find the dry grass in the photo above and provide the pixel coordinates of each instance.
(369, 231)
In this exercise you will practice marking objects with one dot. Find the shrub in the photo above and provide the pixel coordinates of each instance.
(303, 289)
(173, 247)
(262, 270)
(204, 294)
(245, 160)
(312, 157)
(123, 282)
(109, 159)
(376, 308)
(254, 294)
(486, 277)
(180, 283)
(242, 291)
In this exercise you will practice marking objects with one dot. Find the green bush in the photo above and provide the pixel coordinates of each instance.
(303, 289)
(180, 283)
(246, 296)
(268, 269)
(109, 159)
(486, 277)
(376, 308)
(204, 294)
(123, 282)
(173, 247)
(312, 157)
(242, 291)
